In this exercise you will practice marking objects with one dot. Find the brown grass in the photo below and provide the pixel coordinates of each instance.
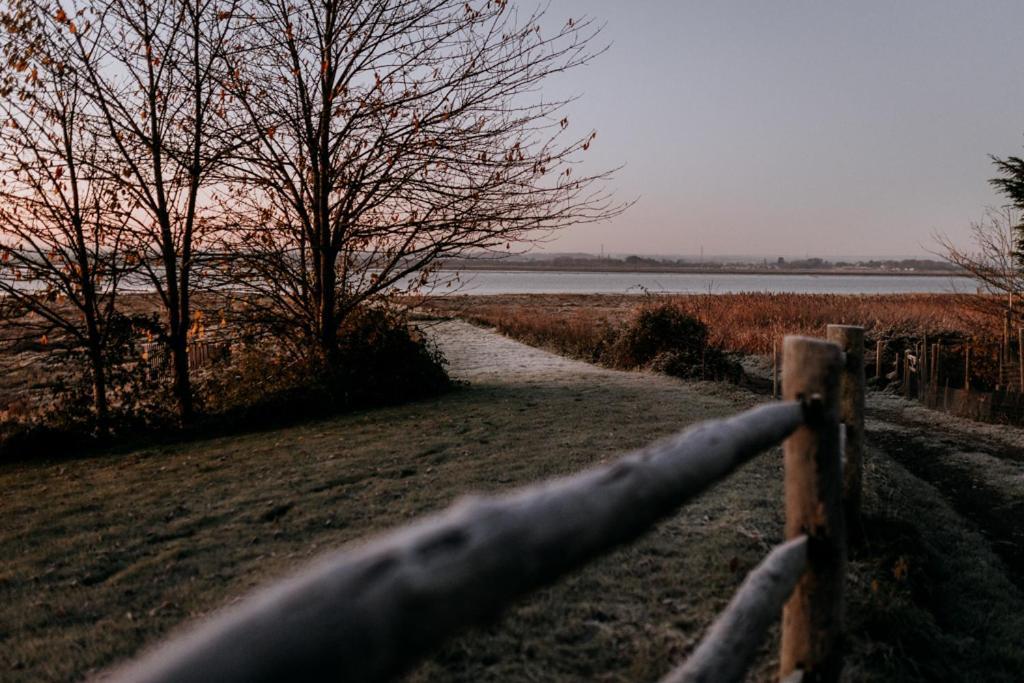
(745, 323)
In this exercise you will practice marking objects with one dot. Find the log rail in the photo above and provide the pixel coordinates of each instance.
(370, 613)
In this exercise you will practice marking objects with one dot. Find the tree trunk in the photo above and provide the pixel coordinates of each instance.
(182, 380)
(178, 342)
(94, 341)
(328, 322)
(177, 307)
(99, 389)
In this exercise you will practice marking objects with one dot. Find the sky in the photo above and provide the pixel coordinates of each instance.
(797, 128)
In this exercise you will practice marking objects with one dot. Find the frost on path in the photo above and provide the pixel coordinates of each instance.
(478, 355)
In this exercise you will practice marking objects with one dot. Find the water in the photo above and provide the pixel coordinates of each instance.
(534, 282)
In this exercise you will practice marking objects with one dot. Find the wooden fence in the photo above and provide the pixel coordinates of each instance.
(202, 352)
(370, 613)
(978, 381)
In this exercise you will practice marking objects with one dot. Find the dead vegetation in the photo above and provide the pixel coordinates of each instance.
(744, 324)
(251, 380)
(655, 335)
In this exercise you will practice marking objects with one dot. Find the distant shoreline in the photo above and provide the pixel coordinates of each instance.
(555, 268)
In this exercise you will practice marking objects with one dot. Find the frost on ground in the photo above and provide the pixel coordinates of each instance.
(105, 554)
(482, 357)
(991, 454)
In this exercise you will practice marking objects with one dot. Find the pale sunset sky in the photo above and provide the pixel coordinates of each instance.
(797, 127)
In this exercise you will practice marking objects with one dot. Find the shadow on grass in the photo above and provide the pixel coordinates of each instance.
(931, 600)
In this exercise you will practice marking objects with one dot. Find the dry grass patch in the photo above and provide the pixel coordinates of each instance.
(749, 323)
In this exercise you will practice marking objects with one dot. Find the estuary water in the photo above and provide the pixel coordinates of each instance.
(554, 282)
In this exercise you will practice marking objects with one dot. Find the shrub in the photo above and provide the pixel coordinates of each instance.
(381, 359)
(57, 415)
(261, 382)
(660, 336)
(657, 330)
(664, 338)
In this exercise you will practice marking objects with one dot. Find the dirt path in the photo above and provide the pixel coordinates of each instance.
(483, 357)
(978, 468)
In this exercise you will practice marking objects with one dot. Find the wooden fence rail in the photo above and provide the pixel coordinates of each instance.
(370, 613)
(728, 648)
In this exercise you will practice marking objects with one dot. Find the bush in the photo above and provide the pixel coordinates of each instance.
(57, 416)
(381, 359)
(655, 331)
(662, 337)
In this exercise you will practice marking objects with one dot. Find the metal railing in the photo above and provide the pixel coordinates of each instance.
(370, 613)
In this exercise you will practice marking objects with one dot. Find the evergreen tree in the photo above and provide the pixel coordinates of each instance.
(1011, 183)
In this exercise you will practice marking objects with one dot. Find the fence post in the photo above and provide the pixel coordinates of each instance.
(775, 368)
(851, 412)
(925, 363)
(878, 358)
(812, 621)
(1007, 320)
(967, 368)
(906, 374)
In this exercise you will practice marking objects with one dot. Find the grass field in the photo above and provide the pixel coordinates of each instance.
(106, 553)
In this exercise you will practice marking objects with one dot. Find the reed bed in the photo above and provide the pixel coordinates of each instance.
(744, 323)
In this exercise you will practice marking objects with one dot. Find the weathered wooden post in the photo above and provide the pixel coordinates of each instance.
(812, 621)
(1007, 320)
(906, 374)
(1020, 356)
(925, 365)
(967, 367)
(775, 368)
(878, 358)
(852, 383)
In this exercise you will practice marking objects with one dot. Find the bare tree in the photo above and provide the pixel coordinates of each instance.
(388, 134)
(150, 71)
(61, 243)
(991, 260)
